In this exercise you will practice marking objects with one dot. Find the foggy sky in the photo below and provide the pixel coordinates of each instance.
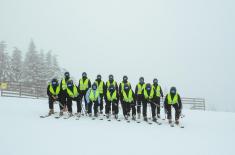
(185, 43)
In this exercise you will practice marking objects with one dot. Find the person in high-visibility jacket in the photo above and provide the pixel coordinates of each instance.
(63, 88)
(73, 95)
(111, 99)
(101, 88)
(121, 86)
(139, 95)
(149, 96)
(93, 97)
(83, 85)
(129, 102)
(159, 94)
(53, 91)
(173, 100)
(111, 81)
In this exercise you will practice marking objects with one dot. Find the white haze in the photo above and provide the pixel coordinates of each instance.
(185, 43)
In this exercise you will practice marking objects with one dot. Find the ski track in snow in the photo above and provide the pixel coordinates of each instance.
(22, 132)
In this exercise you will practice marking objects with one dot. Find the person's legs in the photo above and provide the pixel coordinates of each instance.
(107, 107)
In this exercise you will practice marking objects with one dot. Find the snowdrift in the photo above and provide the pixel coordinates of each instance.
(22, 132)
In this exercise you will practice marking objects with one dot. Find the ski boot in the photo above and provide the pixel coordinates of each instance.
(116, 116)
(78, 114)
(51, 111)
(107, 115)
(177, 122)
(90, 114)
(61, 113)
(70, 114)
(101, 112)
(138, 116)
(96, 115)
(154, 119)
(133, 117)
(145, 118)
(158, 116)
(126, 117)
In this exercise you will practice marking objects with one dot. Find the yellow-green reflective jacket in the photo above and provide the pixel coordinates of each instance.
(83, 85)
(55, 93)
(140, 88)
(73, 93)
(64, 84)
(122, 85)
(111, 97)
(158, 90)
(114, 83)
(94, 96)
(128, 98)
(174, 100)
(150, 96)
(100, 86)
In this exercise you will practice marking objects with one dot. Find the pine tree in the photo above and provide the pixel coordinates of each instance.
(55, 67)
(31, 69)
(49, 67)
(16, 65)
(5, 69)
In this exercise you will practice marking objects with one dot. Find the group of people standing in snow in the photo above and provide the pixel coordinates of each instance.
(94, 95)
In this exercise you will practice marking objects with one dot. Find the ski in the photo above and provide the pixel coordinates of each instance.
(172, 125)
(180, 125)
(57, 117)
(45, 116)
(158, 123)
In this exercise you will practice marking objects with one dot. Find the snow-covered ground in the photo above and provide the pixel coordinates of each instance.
(22, 132)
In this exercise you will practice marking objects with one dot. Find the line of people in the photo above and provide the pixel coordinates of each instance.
(94, 94)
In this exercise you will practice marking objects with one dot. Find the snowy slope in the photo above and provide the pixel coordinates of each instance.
(22, 132)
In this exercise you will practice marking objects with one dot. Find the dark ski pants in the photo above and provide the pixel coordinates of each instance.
(114, 105)
(157, 102)
(63, 99)
(70, 104)
(83, 95)
(127, 107)
(95, 107)
(51, 102)
(177, 111)
(101, 102)
(153, 108)
(139, 103)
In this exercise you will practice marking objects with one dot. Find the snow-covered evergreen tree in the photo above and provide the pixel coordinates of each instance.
(48, 62)
(31, 69)
(5, 63)
(16, 65)
(55, 67)
(42, 68)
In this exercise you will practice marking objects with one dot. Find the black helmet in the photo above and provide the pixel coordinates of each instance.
(155, 81)
(125, 78)
(141, 80)
(70, 83)
(111, 88)
(148, 86)
(94, 86)
(126, 87)
(67, 75)
(173, 90)
(84, 74)
(99, 77)
(111, 77)
(54, 82)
